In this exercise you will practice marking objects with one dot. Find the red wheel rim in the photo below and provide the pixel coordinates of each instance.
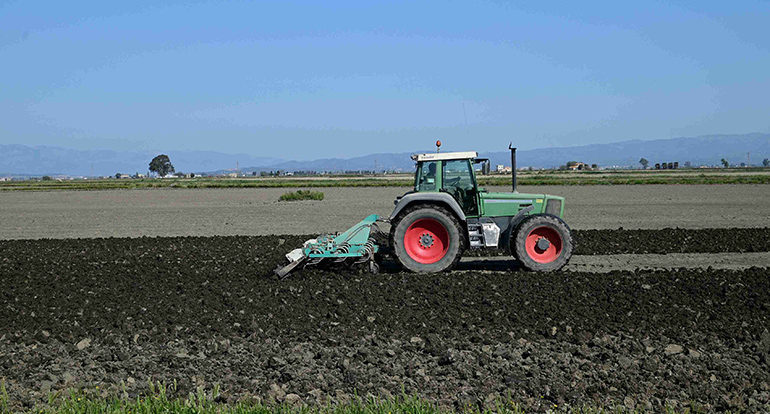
(554, 244)
(426, 241)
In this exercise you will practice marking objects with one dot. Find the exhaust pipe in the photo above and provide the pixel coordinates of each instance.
(513, 167)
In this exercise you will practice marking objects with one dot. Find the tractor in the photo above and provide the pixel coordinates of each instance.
(445, 214)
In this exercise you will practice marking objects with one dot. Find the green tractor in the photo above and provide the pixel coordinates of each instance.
(446, 213)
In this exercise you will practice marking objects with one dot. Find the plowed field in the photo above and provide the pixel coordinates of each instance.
(118, 313)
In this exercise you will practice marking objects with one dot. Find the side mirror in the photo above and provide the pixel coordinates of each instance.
(485, 165)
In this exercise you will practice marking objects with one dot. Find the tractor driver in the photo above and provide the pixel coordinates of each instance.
(428, 178)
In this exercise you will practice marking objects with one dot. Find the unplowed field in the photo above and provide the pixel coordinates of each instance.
(257, 211)
(118, 313)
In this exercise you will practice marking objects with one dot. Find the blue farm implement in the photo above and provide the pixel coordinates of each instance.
(356, 245)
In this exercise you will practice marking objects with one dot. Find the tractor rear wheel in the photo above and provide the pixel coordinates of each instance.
(542, 243)
(427, 239)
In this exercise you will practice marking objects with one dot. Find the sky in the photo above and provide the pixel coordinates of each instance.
(306, 80)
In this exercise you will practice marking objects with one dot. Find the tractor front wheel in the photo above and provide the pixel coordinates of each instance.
(427, 239)
(542, 243)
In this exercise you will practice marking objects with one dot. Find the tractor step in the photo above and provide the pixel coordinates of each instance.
(483, 233)
(475, 235)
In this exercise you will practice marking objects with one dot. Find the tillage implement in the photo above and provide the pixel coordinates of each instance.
(445, 214)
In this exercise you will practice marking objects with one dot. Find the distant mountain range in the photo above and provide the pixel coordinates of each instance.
(703, 150)
(40, 160)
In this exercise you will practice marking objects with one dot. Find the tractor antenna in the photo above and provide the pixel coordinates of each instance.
(513, 166)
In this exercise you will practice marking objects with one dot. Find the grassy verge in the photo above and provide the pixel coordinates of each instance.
(631, 180)
(198, 183)
(534, 179)
(87, 401)
(302, 195)
(4, 398)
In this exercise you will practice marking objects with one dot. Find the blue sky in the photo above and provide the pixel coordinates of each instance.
(305, 80)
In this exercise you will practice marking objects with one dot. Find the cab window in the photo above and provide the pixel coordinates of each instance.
(426, 181)
(457, 174)
(457, 180)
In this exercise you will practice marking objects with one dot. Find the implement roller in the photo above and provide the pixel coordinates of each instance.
(445, 214)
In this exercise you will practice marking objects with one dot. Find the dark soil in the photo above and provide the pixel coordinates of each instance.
(118, 313)
(663, 241)
(673, 241)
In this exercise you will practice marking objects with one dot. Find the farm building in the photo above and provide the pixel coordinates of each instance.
(579, 166)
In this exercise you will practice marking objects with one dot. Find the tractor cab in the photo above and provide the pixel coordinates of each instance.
(452, 173)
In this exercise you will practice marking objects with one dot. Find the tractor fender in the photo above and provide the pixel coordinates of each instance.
(508, 224)
(435, 198)
(519, 217)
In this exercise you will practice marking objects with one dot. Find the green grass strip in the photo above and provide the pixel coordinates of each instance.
(302, 195)
(531, 180)
(157, 400)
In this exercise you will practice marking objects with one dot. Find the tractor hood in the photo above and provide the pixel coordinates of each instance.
(508, 204)
(511, 196)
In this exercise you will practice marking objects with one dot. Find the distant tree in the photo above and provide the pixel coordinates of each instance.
(766, 162)
(180, 174)
(743, 164)
(644, 162)
(657, 165)
(687, 164)
(47, 178)
(725, 163)
(594, 166)
(161, 165)
(192, 175)
(118, 175)
(571, 163)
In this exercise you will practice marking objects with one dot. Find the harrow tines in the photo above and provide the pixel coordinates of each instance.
(369, 247)
(314, 260)
(342, 249)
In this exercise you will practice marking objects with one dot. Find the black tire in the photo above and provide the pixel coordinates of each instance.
(543, 226)
(456, 240)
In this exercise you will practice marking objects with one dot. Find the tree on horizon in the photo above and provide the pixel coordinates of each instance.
(161, 165)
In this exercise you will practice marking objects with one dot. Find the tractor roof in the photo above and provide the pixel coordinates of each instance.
(445, 156)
